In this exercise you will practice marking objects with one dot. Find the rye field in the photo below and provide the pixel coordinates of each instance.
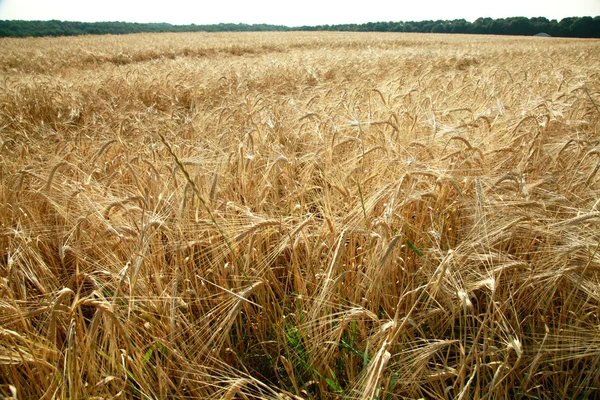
(299, 216)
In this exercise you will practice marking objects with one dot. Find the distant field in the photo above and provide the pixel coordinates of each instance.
(299, 216)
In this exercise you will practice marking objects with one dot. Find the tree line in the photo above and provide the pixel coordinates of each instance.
(583, 27)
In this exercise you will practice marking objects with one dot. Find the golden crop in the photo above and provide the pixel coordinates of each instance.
(299, 216)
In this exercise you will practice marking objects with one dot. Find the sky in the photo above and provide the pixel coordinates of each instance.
(290, 13)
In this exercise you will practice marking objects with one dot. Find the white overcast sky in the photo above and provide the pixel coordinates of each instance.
(290, 13)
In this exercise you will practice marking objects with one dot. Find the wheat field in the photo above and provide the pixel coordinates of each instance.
(299, 216)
